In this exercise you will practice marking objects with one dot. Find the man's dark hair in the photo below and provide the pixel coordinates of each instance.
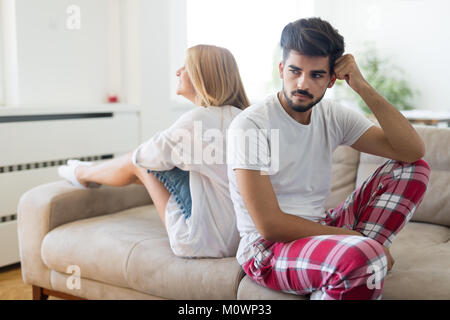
(312, 37)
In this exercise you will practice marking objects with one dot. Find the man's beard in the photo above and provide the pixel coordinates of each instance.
(297, 107)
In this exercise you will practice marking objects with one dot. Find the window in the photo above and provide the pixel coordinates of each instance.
(251, 30)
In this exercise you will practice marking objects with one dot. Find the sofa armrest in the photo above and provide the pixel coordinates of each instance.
(50, 205)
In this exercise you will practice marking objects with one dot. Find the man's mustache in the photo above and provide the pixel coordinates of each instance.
(303, 92)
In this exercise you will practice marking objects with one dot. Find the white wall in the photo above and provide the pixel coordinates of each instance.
(131, 47)
(413, 34)
(9, 52)
(59, 66)
(163, 42)
(1, 59)
(130, 51)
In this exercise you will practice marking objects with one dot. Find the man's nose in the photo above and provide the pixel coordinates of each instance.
(303, 83)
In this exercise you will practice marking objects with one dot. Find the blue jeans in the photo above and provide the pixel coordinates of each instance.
(177, 182)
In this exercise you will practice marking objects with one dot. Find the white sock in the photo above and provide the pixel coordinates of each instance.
(68, 173)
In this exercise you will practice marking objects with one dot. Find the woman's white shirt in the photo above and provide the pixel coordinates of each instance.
(196, 142)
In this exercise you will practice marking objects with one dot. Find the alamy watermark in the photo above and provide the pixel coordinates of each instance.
(250, 148)
(376, 276)
(73, 21)
(74, 281)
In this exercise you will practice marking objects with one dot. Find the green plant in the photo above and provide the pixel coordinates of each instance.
(382, 76)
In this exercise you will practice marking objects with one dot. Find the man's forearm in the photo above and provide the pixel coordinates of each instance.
(289, 228)
(399, 132)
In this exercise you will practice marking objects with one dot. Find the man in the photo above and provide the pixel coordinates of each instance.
(288, 241)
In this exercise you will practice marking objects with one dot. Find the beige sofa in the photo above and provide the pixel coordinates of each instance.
(109, 243)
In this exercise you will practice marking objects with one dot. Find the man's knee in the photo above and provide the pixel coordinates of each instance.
(360, 270)
(422, 162)
(362, 258)
(418, 170)
(422, 167)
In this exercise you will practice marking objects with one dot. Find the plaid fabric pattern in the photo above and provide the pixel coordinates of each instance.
(385, 202)
(342, 266)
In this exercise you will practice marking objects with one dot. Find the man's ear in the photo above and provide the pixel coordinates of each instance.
(332, 81)
(280, 69)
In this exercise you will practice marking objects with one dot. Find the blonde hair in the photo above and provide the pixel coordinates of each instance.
(215, 76)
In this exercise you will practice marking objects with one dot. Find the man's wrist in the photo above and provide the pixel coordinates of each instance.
(362, 88)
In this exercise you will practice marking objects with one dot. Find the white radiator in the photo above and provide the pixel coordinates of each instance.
(32, 146)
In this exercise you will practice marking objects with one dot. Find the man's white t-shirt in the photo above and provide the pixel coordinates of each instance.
(297, 157)
(196, 142)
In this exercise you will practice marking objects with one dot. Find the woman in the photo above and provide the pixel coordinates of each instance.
(183, 167)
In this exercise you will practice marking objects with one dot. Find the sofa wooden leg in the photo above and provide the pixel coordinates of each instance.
(43, 294)
(38, 293)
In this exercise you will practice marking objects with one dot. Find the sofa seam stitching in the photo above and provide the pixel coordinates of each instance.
(128, 259)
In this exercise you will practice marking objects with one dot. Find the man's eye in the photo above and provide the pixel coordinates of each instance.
(317, 75)
(295, 71)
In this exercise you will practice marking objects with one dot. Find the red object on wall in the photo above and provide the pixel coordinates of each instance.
(113, 99)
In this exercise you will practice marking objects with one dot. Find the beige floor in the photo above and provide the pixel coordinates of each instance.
(11, 285)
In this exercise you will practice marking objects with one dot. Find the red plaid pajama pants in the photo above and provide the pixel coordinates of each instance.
(345, 266)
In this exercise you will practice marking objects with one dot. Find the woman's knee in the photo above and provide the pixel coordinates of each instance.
(135, 173)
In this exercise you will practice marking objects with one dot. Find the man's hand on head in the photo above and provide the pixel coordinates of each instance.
(346, 69)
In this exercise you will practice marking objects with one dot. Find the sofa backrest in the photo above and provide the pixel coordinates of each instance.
(435, 206)
(343, 175)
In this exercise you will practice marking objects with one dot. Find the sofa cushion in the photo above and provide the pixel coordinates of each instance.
(131, 249)
(96, 290)
(343, 175)
(250, 290)
(422, 255)
(422, 258)
(153, 268)
(100, 246)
